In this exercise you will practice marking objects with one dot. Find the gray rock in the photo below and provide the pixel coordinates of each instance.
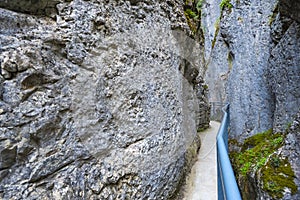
(96, 101)
(248, 93)
(252, 62)
(291, 151)
(284, 77)
(41, 7)
(291, 9)
(241, 70)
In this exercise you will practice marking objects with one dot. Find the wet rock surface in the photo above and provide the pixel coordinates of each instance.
(96, 99)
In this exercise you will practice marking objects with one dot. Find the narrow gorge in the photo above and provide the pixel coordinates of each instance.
(253, 62)
(106, 99)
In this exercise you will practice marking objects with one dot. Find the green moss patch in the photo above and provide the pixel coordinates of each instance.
(258, 154)
(256, 150)
(277, 175)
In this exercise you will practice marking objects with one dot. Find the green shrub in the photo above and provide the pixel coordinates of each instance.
(225, 4)
(191, 13)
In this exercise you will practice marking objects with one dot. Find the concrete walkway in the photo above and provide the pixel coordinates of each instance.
(202, 182)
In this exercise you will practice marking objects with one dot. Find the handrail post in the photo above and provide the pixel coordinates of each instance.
(227, 186)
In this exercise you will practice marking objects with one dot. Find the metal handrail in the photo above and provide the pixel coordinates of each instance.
(227, 185)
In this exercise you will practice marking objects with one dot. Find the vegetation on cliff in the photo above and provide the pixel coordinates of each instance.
(225, 4)
(192, 12)
(260, 157)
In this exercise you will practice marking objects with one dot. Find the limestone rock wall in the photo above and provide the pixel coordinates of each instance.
(99, 99)
(283, 72)
(252, 62)
(240, 53)
(291, 151)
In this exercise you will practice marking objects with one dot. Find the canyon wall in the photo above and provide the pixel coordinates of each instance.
(253, 62)
(99, 99)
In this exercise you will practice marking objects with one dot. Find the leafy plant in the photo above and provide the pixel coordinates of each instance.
(199, 5)
(261, 162)
(225, 4)
(275, 161)
(277, 141)
(191, 13)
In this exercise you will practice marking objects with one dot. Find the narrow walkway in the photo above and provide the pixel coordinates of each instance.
(202, 182)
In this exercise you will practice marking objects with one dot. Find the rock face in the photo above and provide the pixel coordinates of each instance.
(36, 7)
(216, 55)
(291, 151)
(243, 53)
(283, 72)
(241, 50)
(99, 99)
(253, 62)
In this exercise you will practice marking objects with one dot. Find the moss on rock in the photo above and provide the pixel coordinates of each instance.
(259, 159)
(277, 175)
(255, 151)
